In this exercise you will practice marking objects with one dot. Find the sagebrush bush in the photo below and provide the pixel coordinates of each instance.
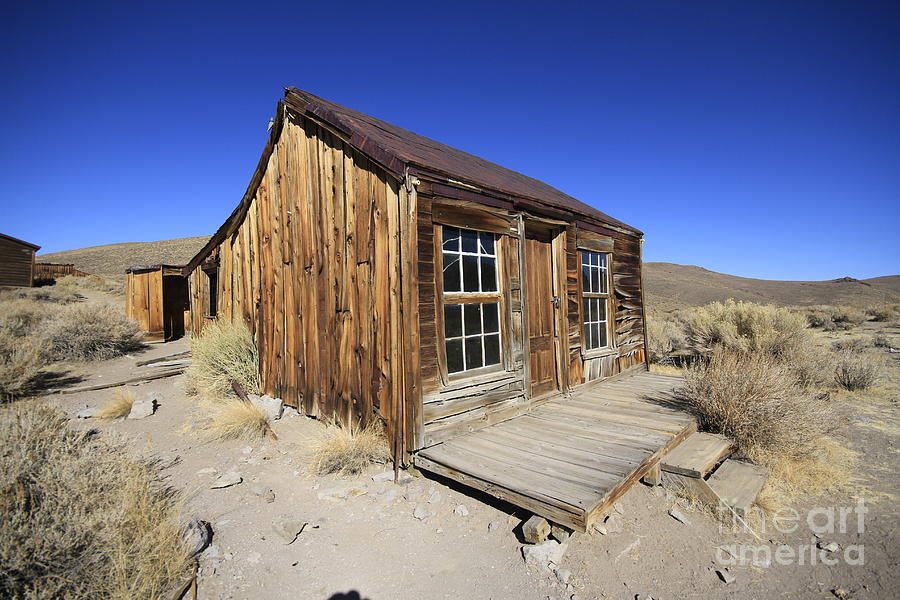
(817, 318)
(21, 362)
(747, 327)
(349, 450)
(663, 337)
(83, 332)
(881, 341)
(846, 317)
(20, 317)
(856, 370)
(223, 352)
(81, 519)
(96, 283)
(52, 293)
(754, 399)
(882, 313)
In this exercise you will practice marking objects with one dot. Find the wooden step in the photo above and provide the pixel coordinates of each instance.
(697, 455)
(737, 484)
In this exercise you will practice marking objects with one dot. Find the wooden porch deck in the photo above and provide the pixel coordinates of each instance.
(569, 459)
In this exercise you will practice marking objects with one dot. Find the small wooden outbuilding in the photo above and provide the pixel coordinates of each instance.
(47, 273)
(16, 261)
(386, 275)
(156, 296)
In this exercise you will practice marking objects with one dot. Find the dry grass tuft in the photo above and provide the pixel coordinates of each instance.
(55, 294)
(223, 352)
(94, 282)
(118, 406)
(21, 316)
(349, 451)
(755, 400)
(231, 418)
(81, 519)
(857, 370)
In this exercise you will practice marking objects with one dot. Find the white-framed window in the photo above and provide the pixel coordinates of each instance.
(471, 299)
(595, 295)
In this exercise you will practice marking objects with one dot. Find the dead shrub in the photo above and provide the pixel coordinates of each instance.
(232, 418)
(846, 317)
(881, 341)
(817, 318)
(349, 450)
(118, 406)
(663, 338)
(856, 370)
(56, 294)
(754, 399)
(223, 353)
(855, 344)
(84, 332)
(746, 327)
(96, 283)
(21, 316)
(21, 362)
(81, 519)
(882, 313)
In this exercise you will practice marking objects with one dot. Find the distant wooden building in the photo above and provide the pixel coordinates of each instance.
(49, 272)
(16, 261)
(156, 296)
(384, 274)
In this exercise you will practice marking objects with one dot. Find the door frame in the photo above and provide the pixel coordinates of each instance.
(558, 234)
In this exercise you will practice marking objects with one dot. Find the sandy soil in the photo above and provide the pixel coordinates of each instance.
(362, 540)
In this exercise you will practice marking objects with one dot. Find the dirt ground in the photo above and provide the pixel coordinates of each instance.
(362, 540)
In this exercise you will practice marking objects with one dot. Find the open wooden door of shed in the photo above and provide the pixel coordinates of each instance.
(542, 300)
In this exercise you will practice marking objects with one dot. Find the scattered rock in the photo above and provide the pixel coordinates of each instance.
(390, 495)
(493, 526)
(725, 575)
(546, 556)
(289, 411)
(829, 547)
(535, 530)
(601, 528)
(354, 492)
(383, 477)
(618, 508)
(614, 524)
(560, 533)
(269, 496)
(563, 576)
(412, 492)
(208, 471)
(246, 449)
(196, 535)
(86, 413)
(434, 498)
(253, 557)
(841, 593)
(142, 409)
(421, 511)
(227, 480)
(461, 510)
(212, 551)
(273, 407)
(288, 529)
(679, 516)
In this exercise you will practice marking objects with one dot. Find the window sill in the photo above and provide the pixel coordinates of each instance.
(476, 376)
(599, 353)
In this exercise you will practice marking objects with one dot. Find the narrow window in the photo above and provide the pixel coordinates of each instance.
(471, 299)
(212, 291)
(595, 291)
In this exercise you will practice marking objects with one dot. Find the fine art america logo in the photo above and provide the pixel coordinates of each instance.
(820, 522)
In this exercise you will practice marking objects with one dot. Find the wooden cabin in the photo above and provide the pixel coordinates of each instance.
(386, 275)
(16, 261)
(48, 273)
(156, 296)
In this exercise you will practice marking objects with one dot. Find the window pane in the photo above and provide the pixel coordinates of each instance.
(603, 333)
(601, 259)
(603, 281)
(487, 243)
(595, 280)
(588, 344)
(451, 239)
(469, 241)
(470, 273)
(488, 274)
(584, 258)
(492, 349)
(600, 315)
(585, 278)
(473, 353)
(452, 320)
(454, 356)
(451, 272)
(491, 318)
(595, 335)
(472, 318)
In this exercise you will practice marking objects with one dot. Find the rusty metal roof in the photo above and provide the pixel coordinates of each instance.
(398, 148)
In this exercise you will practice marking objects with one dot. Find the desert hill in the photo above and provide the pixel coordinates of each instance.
(669, 286)
(113, 259)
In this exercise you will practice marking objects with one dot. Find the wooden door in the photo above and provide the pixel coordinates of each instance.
(539, 296)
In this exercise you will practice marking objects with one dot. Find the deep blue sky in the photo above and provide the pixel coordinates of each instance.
(755, 138)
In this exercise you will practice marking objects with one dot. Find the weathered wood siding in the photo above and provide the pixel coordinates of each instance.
(144, 301)
(45, 271)
(314, 268)
(16, 263)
